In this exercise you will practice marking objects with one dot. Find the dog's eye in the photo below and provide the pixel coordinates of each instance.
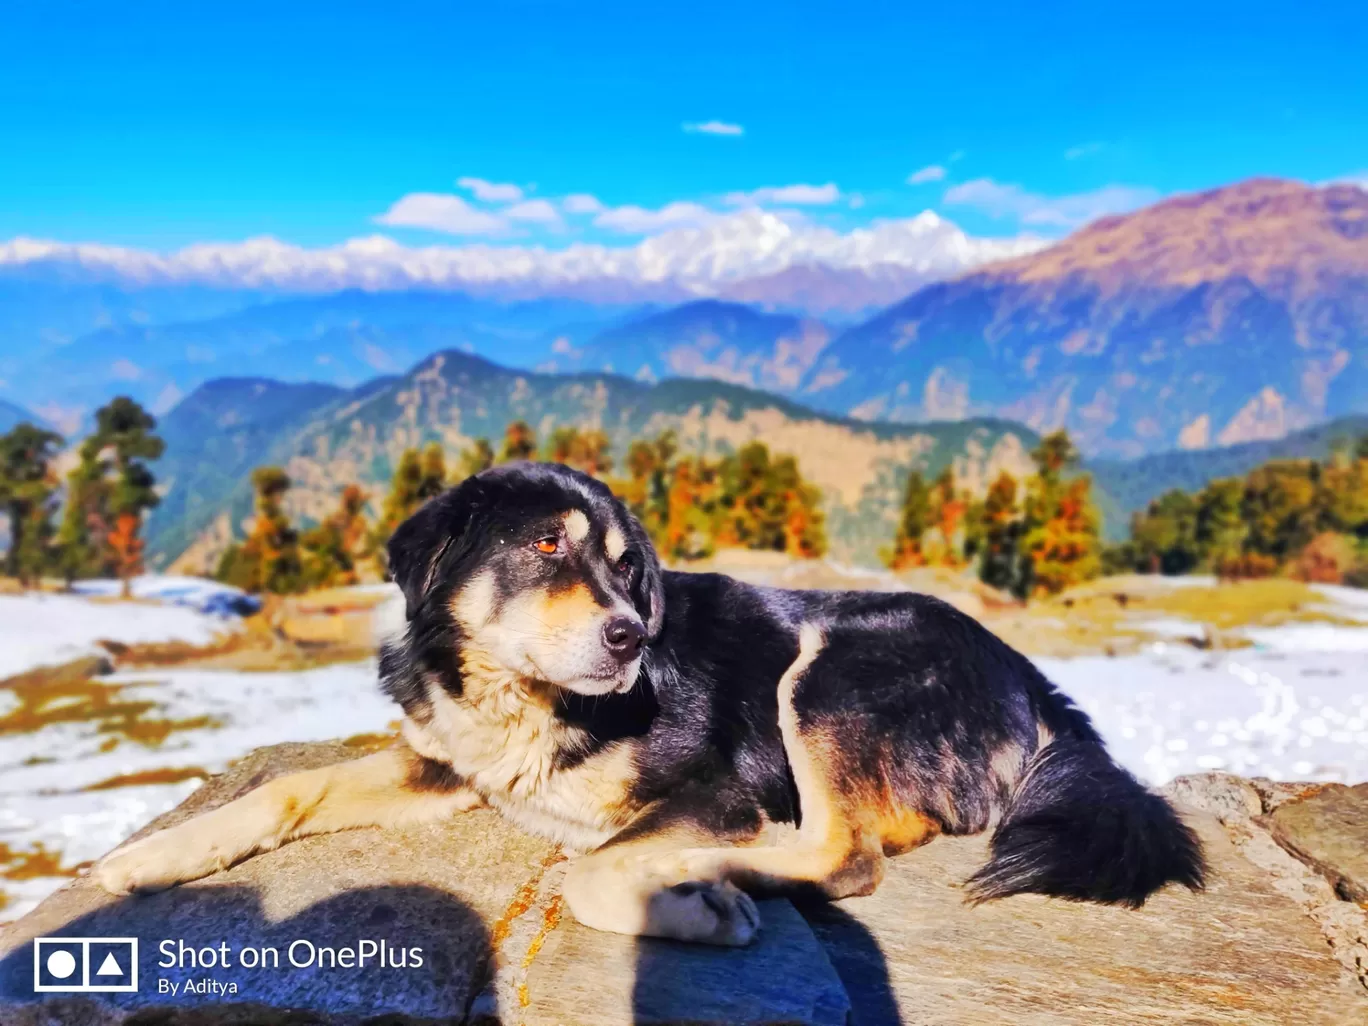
(624, 565)
(548, 546)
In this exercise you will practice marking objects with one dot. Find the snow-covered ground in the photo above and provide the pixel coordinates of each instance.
(1293, 706)
(43, 630)
(46, 775)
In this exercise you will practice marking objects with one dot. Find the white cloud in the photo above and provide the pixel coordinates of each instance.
(1006, 200)
(1083, 150)
(791, 195)
(441, 212)
(1359, 178)
(535, 211)
(581, 203)
(930, 173)
(491, 192)
(713, 128)
(634, 220)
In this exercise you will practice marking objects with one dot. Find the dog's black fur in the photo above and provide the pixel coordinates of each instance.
(915, 709)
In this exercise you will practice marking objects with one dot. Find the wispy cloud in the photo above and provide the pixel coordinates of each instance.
(1086, 149)
(534, 211)
(634, 220)
(792, 195)
(1359, 178)
(1006, 200)
(441, 212)
(581, 203)
(491, 192)
(930, 173)
(713, 128)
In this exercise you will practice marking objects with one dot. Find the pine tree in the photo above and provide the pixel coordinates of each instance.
(520, 442)
(646, 488)
(333, 549)
(269, 559)
(402, 499)
(27, 489)
(1061, 540)
(475, 458)
(764, 503)
(432, 479)
(109, 492)
(913, 520)
(947, 517)
(999, 552)
(584, 450)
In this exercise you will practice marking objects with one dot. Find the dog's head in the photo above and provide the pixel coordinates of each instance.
(541, 569)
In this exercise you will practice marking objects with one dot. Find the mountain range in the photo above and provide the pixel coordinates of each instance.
(1206, 320)
(326, 437)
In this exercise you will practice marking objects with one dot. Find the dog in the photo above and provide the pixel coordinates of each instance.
(666, 724)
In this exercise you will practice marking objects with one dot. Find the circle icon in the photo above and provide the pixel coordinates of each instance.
(61, 964)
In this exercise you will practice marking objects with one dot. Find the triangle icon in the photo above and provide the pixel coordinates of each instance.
(109, 967)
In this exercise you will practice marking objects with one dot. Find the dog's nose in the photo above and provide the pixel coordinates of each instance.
(623, 635)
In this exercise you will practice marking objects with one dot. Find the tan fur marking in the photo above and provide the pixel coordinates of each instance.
(363, 792)
(818, 814)
(901, 829)
(576, 526)
(614, 544)
(473, 605)
(568, 609)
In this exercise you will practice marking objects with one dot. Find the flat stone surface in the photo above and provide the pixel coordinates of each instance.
(586, 978)
(442, 888)
(1239, 953)
(1329, 832)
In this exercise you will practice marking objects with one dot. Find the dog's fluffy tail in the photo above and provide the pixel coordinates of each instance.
(1080, 827)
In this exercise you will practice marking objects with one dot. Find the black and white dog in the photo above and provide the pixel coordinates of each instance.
(660, 721)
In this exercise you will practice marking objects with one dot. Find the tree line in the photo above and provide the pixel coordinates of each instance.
(1031, 538)
(690, 505)
(94, 529)
(1303, 517)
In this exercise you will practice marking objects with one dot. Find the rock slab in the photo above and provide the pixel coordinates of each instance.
(440, 888)
(482, 901)
(1329, 832)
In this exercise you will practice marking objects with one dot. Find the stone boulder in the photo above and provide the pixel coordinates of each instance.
(482, 902)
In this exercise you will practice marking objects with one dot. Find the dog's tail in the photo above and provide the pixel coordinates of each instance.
(1080, 827)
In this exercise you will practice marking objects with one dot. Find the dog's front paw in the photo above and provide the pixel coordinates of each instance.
(705, 912)
(156, 862)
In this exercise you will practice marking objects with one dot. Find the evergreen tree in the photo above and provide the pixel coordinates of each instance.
(1061, 532)
(584, 450)
(333, 549)
(646, 489)
(520, 442)
(947, 517)
(432, 478)
(914, 519)
(764, 503)
(476, 457)
(998, 549)
(27, 489)
(109, 493)
(269, 559)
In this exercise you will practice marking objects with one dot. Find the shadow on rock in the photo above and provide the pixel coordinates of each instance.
(827, 971)
(860, 963)
(427, 956)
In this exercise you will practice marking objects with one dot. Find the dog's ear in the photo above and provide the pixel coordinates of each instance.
(648, 591)
(419, 545)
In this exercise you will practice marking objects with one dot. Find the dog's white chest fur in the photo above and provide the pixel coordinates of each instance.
(505, 748)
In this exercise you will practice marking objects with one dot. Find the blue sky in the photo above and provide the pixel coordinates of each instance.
(159, 125)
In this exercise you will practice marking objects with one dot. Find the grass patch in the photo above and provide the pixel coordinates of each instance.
(152, 776)
(32, 863)
(71, 694)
